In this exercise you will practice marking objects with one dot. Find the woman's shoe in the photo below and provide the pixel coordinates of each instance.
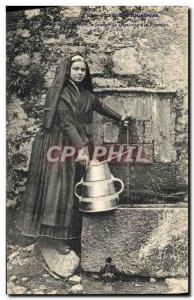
(66, 250)
(63, 247)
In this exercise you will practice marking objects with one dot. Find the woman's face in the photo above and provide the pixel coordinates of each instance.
(78, 71)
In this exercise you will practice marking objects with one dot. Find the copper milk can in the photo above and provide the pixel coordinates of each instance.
(98, 191)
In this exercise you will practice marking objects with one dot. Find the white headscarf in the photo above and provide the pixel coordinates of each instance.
(77, 57)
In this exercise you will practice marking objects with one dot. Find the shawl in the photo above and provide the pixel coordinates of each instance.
(62, 76)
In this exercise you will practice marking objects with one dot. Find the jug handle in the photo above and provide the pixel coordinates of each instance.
(119, 180)
(76, 194)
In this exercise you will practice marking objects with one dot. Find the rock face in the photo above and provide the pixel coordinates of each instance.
(147, 241)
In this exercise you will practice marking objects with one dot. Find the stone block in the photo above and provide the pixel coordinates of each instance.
(177, 285)
(108, 82)
(30, 13)
(23, 33)
(125, 62)
(97, 62)
(36, 57)
(23, 59)
(70, 12)
(51, 41)
(140, 240)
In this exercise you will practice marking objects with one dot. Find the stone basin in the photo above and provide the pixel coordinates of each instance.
(145, 240)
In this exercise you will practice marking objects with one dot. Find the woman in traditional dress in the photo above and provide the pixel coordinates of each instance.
(49, 208)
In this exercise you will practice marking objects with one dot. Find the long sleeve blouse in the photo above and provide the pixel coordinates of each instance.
(75, 113)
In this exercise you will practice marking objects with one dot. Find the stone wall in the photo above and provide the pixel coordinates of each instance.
(123, 50)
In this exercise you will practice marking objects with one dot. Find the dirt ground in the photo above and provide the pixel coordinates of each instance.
(26, 274)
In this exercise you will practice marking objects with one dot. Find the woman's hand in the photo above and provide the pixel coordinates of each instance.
(82, 157)
(125, 119)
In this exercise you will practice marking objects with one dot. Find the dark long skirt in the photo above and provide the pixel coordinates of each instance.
(49, 207)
